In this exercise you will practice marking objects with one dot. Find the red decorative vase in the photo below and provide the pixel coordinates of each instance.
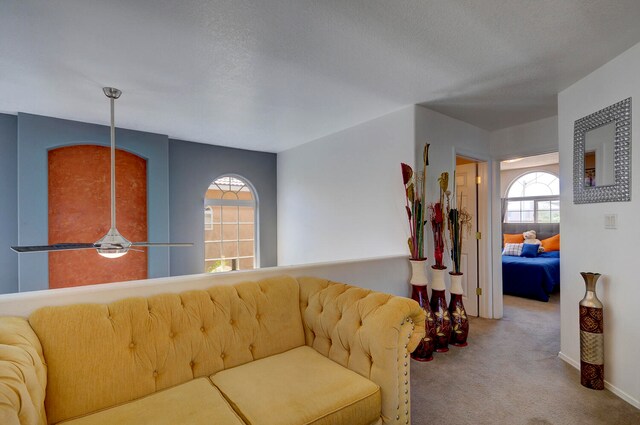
(440, 310)
(459, 320)
(591, 335)
(424, 351)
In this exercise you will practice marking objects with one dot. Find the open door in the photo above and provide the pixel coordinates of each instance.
(467, 192)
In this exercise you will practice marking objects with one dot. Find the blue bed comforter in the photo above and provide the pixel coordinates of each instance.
(531, 277)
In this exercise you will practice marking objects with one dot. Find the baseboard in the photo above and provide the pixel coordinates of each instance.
(617, 391)
(569, 360)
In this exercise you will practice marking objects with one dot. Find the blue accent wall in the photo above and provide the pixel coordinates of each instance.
(179, 174)
(192, 167)
(8, 203)
(38, 134)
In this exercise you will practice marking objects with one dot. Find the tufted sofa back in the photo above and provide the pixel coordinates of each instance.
(359, 329)
(100, 355)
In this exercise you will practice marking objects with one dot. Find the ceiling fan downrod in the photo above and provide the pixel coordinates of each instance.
(113, 244)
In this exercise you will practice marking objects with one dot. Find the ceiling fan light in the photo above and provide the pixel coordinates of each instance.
(112, 253)
(113, 244)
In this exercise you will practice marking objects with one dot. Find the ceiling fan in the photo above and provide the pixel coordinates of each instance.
(113, 244)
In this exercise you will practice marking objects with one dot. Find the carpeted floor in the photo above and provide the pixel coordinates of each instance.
(511, 374)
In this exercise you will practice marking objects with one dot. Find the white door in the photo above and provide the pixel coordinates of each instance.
(467, 198)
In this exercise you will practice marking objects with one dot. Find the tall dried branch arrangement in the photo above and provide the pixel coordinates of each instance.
(415, 197)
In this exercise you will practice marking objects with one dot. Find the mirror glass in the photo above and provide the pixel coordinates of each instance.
(599, 147)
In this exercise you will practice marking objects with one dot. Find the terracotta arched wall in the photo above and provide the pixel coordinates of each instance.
(79, 211)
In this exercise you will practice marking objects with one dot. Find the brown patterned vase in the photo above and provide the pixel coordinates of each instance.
(457, 312)
(419, 281)
(424, 352)
(440, 310)
(591, 336)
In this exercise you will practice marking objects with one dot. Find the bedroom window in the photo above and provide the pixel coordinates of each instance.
(533, 198)
(229, 225)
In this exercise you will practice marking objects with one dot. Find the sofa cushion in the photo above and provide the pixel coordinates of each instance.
(137, 346)
(196, 402)
(300, 386)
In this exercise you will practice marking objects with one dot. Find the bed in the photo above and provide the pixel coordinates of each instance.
(534, 278)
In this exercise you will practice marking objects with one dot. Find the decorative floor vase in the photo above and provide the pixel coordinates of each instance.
(591, 336)
(419, 281)
(440, 310)
(457, 312)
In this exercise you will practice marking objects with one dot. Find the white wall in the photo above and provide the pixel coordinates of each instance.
(587, 246)
(448, 137)
(341, 197)
(384, 274)
(532, 138)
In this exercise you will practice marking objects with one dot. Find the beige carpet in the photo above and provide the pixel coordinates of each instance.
(511, 374)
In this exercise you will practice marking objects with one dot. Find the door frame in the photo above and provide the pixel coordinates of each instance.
(485, 207)
(471, 246)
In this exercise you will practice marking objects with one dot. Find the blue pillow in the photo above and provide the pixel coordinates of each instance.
(529, 250)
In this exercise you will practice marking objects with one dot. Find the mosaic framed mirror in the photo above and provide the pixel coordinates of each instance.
(602, 155)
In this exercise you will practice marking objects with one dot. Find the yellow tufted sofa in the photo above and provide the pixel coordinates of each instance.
(276, 351)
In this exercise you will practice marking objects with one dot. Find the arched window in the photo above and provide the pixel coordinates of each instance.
(230, 225)
(533, 198)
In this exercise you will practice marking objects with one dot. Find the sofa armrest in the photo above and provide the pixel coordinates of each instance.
(368, 332)
(23, 374)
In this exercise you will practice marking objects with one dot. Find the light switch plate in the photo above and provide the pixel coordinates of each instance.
(610, 221)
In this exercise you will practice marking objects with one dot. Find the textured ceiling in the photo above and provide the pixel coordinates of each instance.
(272, 74)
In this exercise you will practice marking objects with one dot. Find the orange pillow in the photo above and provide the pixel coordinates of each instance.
(513, 238)
(551, 244)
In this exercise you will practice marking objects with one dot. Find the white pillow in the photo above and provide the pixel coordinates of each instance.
(514, 249)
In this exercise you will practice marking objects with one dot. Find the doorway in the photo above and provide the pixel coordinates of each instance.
(472, 194)
(530, 215)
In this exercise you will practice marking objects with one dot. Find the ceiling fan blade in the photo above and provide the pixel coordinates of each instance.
(160, 244)
(54, 247)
